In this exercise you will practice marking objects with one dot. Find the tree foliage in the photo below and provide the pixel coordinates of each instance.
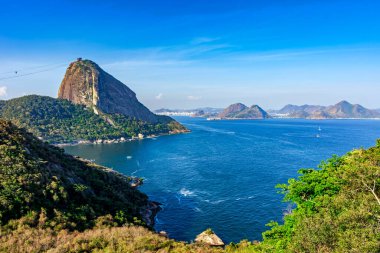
(337, 208)
(59, 120)
(42, 184)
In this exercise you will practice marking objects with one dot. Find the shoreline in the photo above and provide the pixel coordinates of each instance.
(116, 140)
(232, 119)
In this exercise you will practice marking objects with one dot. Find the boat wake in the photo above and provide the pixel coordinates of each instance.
(186, 193)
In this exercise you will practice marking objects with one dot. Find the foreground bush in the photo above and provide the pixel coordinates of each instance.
(114, 239)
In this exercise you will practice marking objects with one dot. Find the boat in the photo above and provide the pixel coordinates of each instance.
(214, 118)
(319, 129)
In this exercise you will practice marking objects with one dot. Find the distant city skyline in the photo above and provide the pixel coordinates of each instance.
(185, 55)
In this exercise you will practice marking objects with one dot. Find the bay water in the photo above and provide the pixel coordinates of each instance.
(223, 174)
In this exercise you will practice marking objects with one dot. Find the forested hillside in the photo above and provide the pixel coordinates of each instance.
(59, 121)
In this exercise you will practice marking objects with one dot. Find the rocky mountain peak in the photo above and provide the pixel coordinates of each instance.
(86, 83)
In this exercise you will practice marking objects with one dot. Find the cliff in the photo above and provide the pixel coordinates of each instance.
(87, 84)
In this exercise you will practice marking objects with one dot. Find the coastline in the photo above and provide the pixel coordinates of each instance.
(293, 118)
(117, 140)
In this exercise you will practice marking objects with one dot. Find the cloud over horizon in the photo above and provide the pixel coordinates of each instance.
(159, 96)
(3, 91)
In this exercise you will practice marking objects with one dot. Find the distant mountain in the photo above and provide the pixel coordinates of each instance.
(295, 109)
(241, 111)
(232, 110)
(210, 110)
(342, 109)
(346, 110)
(198, 112)
(163, 110)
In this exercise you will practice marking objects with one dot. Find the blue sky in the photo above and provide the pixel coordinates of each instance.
(185, 54)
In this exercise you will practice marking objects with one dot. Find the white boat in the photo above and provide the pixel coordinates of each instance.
(214, 118)
(319, 129)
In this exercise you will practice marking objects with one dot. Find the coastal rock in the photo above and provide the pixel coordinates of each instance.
(163, 234)
(210, 238)
(149, 212)
(87, 84)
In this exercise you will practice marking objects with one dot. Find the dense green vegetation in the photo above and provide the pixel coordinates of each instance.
(47, 188)
(58, 121)
(337, 208)
(50, 201)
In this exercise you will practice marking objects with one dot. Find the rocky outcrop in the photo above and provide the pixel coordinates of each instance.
(87, 84)
(241, 111)
(210, 238)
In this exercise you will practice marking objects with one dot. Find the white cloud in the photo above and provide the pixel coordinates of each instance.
(159, 96)
(202, 40)
(194, 97)
(3, 91)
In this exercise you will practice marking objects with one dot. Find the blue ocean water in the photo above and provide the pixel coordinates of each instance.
(223, 174)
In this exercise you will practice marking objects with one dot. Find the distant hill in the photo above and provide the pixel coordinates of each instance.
(346, 110)
(241, 111)
(295, 109)
(198, 112)
(342, 109)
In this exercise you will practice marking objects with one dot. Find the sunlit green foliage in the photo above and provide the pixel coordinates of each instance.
(337, 208)
(58, 120)
(48, 188)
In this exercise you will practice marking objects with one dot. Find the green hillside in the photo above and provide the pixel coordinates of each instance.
(59, 121)
(41, 183)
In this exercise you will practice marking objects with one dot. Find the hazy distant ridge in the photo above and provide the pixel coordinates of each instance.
(342, 109)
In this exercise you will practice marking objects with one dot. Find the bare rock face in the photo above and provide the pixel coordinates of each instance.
(86, 83)
(210, 238)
